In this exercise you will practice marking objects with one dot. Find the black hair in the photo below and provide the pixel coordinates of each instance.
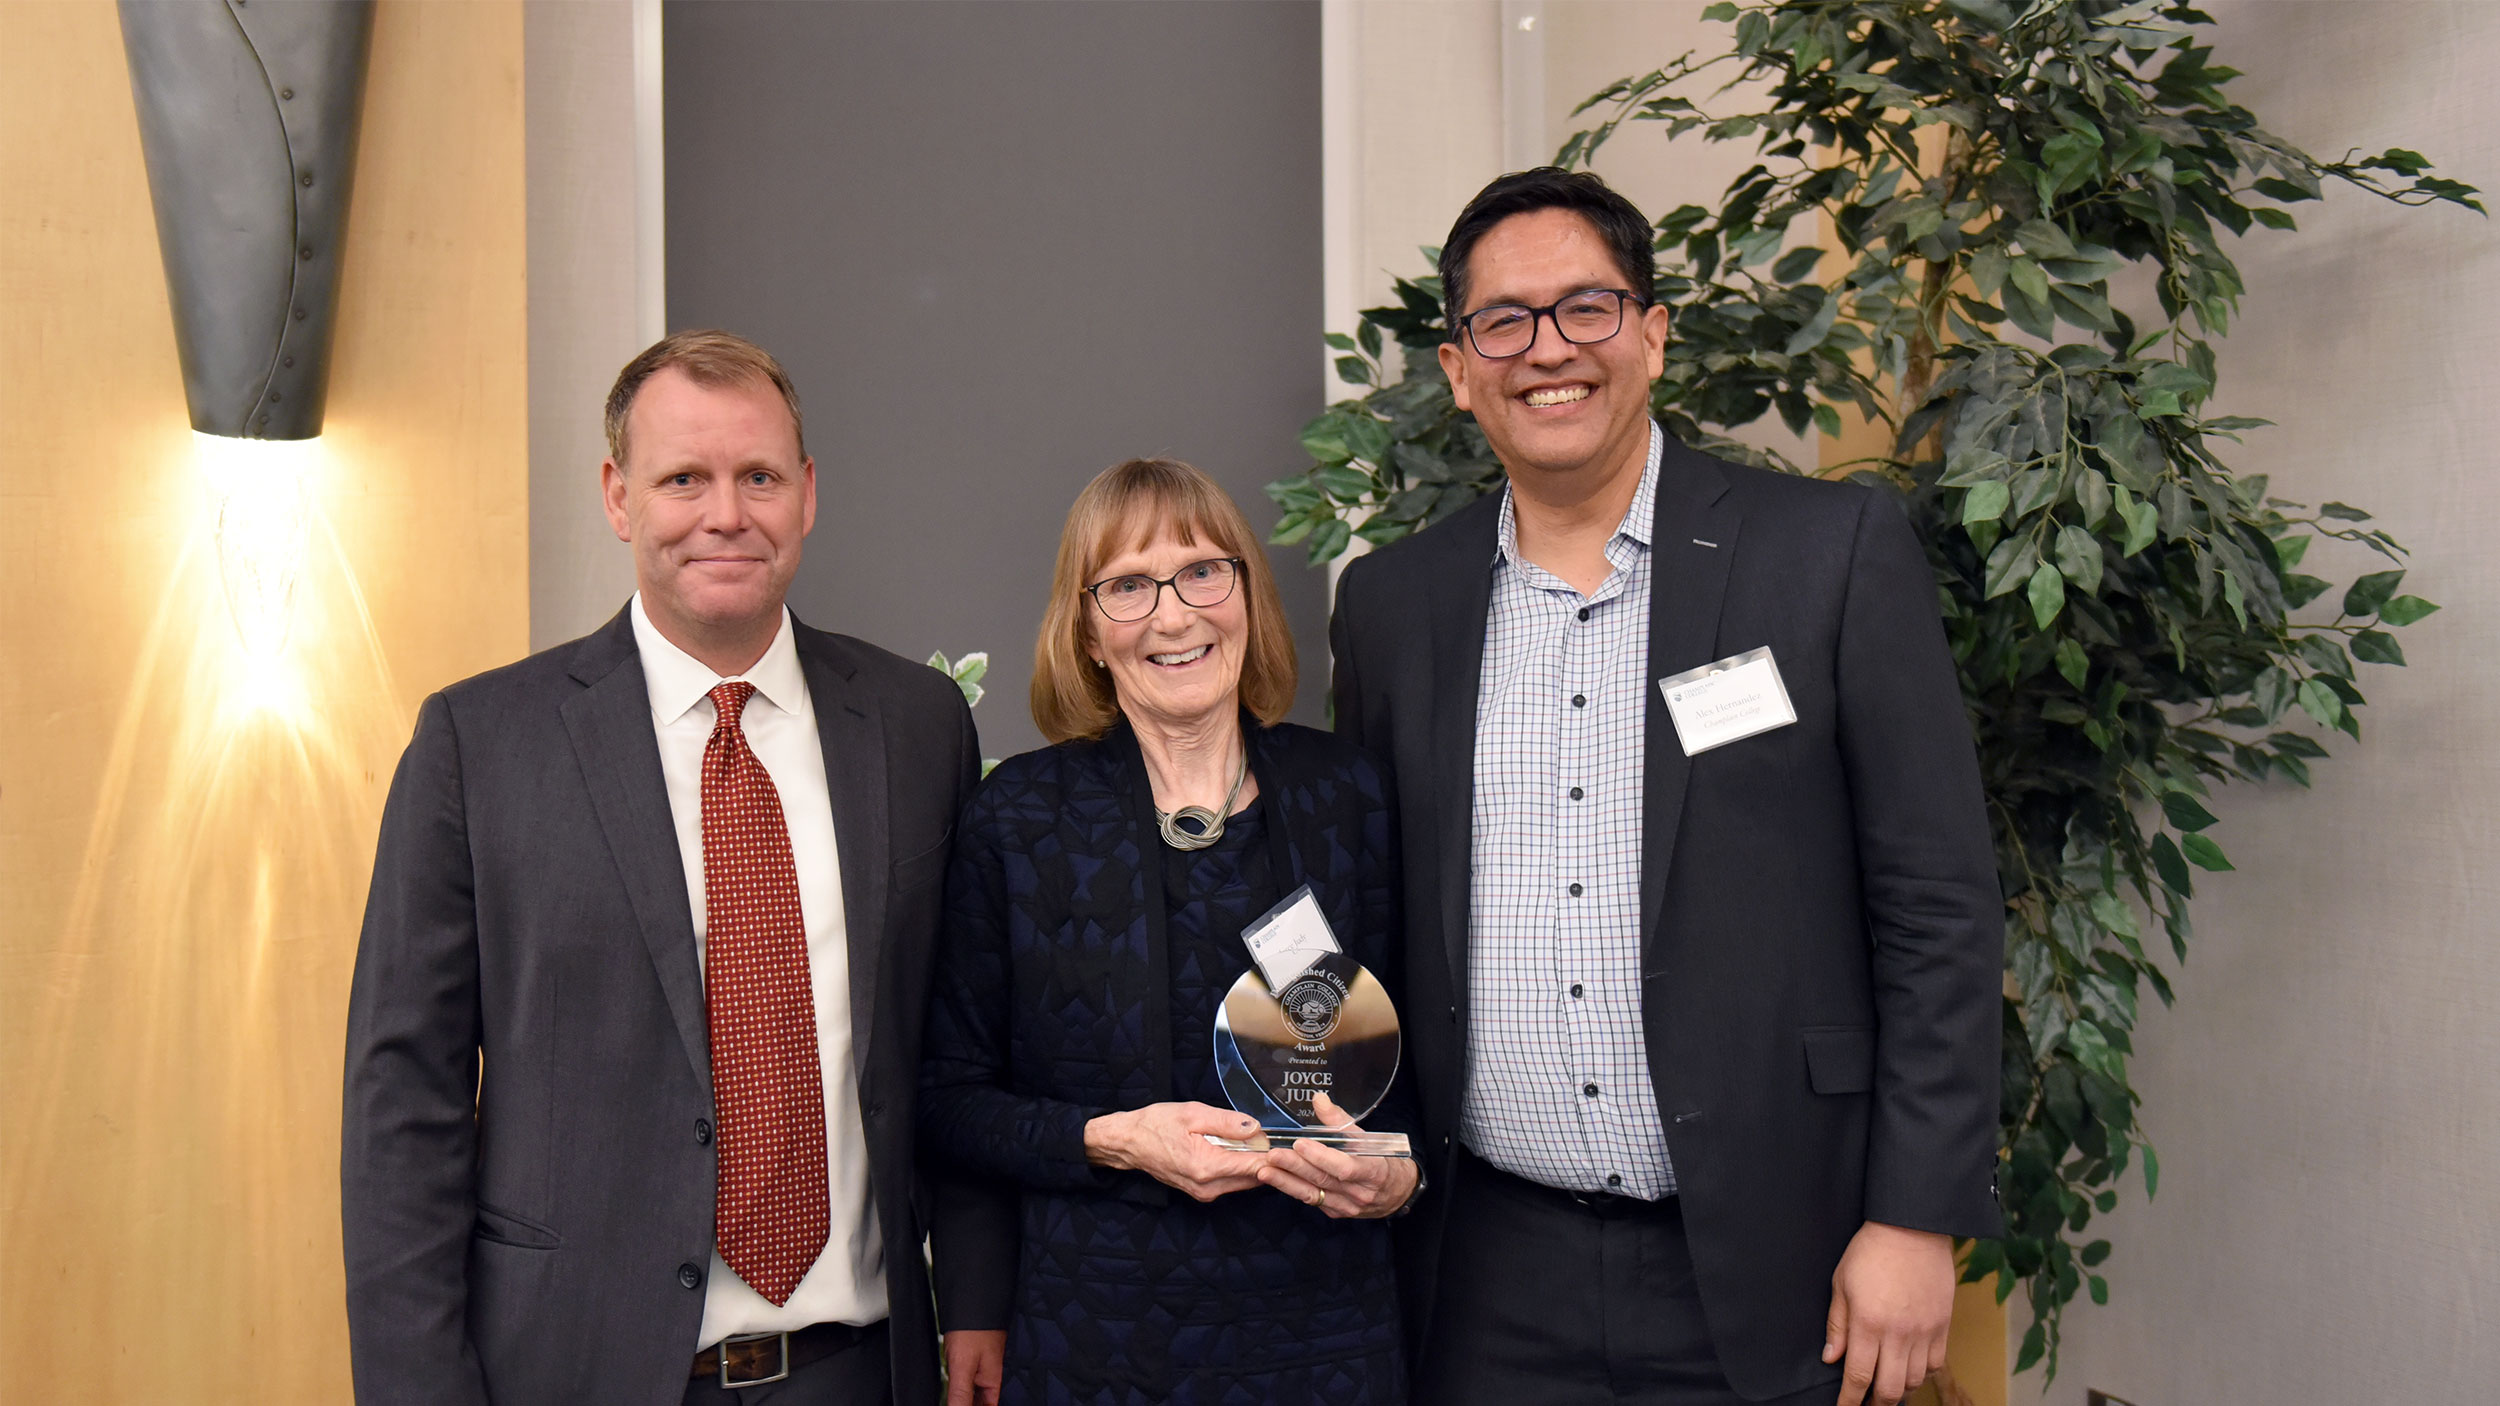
(1618, 222)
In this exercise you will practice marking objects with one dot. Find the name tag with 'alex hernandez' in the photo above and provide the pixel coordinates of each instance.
(1727, 701)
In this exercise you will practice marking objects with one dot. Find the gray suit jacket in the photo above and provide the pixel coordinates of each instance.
(527, 1167)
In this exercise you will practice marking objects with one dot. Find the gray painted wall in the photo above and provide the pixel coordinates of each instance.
(1001, 246)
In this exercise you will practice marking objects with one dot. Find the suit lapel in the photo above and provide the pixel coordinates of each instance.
(1458, 620)
(1692, 547)
(851, 729)
(619, 753)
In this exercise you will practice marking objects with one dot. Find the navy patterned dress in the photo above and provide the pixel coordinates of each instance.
(1079, 973)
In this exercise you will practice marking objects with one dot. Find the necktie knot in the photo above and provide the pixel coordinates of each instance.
(730, 701)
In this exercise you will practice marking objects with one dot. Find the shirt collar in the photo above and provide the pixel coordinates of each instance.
(1638, 519)
(677, 681)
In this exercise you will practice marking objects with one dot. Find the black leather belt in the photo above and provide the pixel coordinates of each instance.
(1605, 1205)
(769, 1357)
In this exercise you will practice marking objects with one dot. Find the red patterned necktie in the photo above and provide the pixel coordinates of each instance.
(770, 1218)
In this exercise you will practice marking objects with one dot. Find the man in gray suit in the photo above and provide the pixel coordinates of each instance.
(636, 1021)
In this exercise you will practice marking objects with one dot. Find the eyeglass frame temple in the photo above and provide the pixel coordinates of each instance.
(1467, 323)
(1241, 567)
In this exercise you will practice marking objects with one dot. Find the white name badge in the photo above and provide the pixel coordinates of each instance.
(1293, 935)
(1727, 701)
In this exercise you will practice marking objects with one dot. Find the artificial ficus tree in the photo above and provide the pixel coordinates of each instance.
(2128, 611)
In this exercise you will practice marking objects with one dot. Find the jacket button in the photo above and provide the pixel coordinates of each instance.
(703, 1131)
(690, 1276)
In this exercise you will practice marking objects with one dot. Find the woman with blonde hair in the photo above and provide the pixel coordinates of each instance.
(1094, 912)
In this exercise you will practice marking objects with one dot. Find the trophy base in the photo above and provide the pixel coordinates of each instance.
(1353, 1144)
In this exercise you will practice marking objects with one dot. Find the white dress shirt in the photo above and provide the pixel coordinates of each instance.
(847, 1282)
(1558, 1087)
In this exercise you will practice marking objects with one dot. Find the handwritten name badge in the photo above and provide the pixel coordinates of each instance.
(1727, 701)
(1289, 938)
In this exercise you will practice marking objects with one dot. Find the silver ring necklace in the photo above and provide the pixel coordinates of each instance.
(1210, 823)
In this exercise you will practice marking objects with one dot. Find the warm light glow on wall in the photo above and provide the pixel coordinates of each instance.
(257, 489)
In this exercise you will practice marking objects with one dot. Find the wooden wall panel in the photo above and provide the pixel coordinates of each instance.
(185, 832)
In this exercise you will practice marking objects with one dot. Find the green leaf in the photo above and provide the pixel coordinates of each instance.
(2343, 512)
(2079, 557)
(1722, 11)
(2035, 1346)
(2092, 496)
(1812, 334)
(1329, 541)
(2185, 811)
(1985, 502)
(1796, 264)
(1369, 438)
(2010, 565)
(2048, 594)
(2404, 610)
(2092, 1051)
(1987, 271)
(2289, 550)
(2111, 912)
(2152, 1172)
(2204, 853)
(2299, 590)
(2026, 275)
(1339, 340)
(1324, 439)
(2320, 702)
(1345, 483)
(2168, 864)
(2071, 662)
(2143, 524)
(2377, 647)
(1354, 371)
(2372, 591)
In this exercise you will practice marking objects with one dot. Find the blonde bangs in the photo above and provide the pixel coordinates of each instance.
(1121, 510)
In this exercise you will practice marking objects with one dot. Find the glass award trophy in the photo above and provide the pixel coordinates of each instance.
(1306, 1020)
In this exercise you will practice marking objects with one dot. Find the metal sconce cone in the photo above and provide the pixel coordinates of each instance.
(248, 112)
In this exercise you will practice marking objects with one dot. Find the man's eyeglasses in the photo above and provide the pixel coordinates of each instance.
(1590, 315)
(1201, 584)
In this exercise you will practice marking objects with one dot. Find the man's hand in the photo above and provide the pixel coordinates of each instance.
(1892, 1300)
(1342, 1186)
(976, 1358)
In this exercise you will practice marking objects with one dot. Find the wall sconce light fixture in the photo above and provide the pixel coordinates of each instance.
(248, 114)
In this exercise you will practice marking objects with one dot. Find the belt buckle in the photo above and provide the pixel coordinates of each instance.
(727, 1384)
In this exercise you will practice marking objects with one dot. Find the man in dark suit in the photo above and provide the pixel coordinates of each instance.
(635, 1029)
(1703, 927)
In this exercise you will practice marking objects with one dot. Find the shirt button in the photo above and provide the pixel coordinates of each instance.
(703, 1131)
(1577, 793)
(1589, 1089)
(1575, 890)
(1578, 990)
(1579, 700)
(1584, 612)
(1614, 1178)
(689, 1276)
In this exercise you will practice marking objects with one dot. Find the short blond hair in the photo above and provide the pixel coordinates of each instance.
(708, 357)
(1121, 510)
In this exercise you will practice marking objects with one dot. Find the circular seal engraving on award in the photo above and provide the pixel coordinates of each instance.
(1311, 1006)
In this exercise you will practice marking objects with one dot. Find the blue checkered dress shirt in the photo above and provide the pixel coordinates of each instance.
(1558, 1084)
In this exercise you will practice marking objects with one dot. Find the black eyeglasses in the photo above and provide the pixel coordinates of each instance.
(1134, 597)
(1590, 315)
